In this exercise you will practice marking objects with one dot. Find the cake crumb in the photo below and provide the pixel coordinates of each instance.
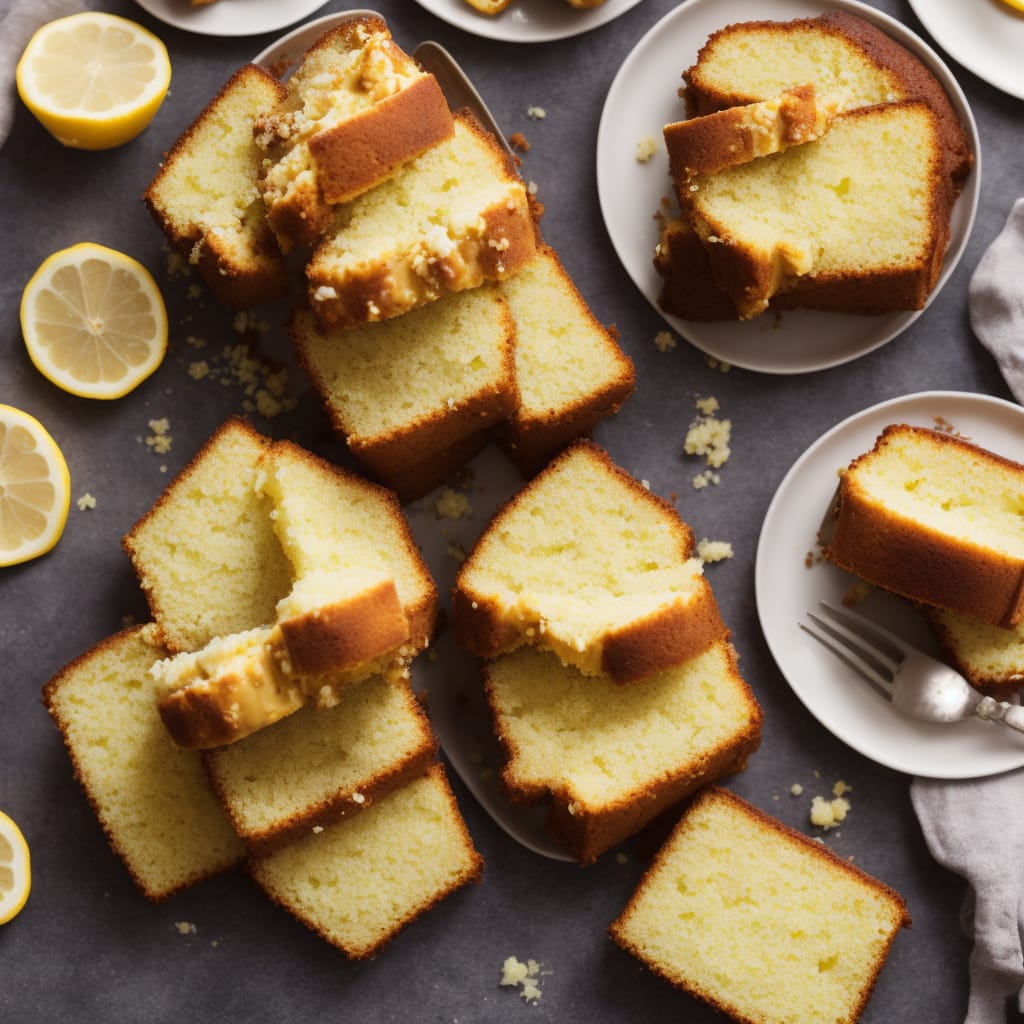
(185, 927)
(159, 441)
(714, 550)
(718, 364)
(855, 594)
(708, 435)
(664, 341)
(796, 789)
(451, 504)
(86, 501)
(536, 113)
(646, 147)
(525, 975)
(518, 141)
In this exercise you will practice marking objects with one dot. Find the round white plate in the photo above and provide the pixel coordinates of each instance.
(786, 587)
(231, 17)
(528, 21)
(986, 36)
(644, 98)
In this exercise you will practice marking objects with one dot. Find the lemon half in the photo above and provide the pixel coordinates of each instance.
(35, 489)
(15, 869)
(94, 321)
(93, 80)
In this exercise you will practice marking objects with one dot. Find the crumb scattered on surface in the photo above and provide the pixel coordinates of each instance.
(664, 341)
(646, 147)
(517, 140)
(706, 479)
(536, 113)
(86, 501)
(708, 435)
(826, 813)
(718, 364)
(714, 550)
(185, 927)
(796, 789)
(451, 504)
(524, 975)
(159, 441)
(856, 593)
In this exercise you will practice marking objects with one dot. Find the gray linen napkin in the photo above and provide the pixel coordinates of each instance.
(975, 828)
(16, 29)
(996, 297)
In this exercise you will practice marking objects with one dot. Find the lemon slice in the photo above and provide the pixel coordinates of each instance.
(94, 321)
(93, 80)
(15, 869)
(35, 488)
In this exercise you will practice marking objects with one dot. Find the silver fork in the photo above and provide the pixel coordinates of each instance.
(915, 682)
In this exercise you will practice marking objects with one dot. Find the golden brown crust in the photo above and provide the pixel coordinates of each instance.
(413, 482)
(364, 150)
(341, 636)
(236, 284)
(704, 145)
(885, 548)
(689, 289)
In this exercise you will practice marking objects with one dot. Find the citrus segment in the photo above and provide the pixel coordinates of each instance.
(15, 869)
(93, 80)
(35, 488)
(94, 321)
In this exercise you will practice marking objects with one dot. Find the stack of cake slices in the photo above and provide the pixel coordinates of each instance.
(432, 314)
(818, 169)
(265, 716)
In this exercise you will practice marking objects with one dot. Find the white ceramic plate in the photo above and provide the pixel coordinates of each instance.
(528, 21)
(786, 588)
(644, 98)
(281, 54)
(986, 36)
(231, 17)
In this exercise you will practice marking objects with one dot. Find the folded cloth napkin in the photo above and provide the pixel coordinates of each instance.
(16, 29)
(996, 298)
(975, 828)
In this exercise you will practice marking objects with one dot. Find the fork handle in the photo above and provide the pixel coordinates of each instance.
(990, 709)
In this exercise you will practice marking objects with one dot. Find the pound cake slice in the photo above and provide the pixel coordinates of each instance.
(330, 629)
(856, 221)
(569, 368)
(759, 921)
(611, 757)
(357, 108)
(586, 562)
(206, 553)
(403, 391)
(989, 657)
(330, 519)
(152, 799)
(936, 519)
(206, 199)
(839, 53)
(449, 220)
(688, 288)
(358, 883)
(737, 135)
(315, 767)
